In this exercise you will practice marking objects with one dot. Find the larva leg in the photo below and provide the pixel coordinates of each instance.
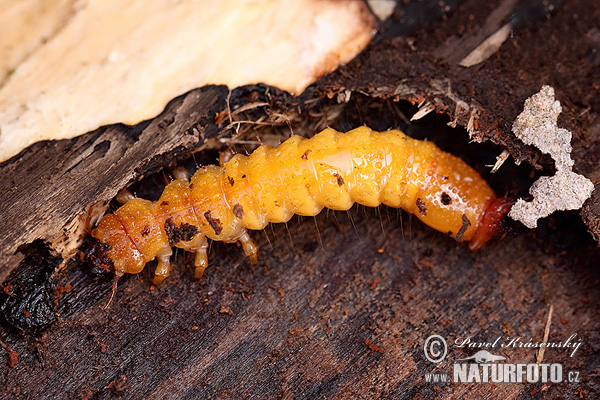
(201, 261)
(163, 269)
(198, 245)
(225, 156)
(124, 196)
(249, 247)
(181, 173)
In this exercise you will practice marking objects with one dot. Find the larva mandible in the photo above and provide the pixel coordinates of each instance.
(300, 176)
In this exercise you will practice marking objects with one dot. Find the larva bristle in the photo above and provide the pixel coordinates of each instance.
(113, 292)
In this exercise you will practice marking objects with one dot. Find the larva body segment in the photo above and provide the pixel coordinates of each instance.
(301, 176)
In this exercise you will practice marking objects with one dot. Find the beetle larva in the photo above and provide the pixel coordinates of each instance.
(301, 176)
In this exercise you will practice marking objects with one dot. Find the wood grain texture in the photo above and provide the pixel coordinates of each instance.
(295, 325)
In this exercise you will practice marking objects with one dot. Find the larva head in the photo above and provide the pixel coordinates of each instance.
(491, 223)
(96, 253)
(113, 249)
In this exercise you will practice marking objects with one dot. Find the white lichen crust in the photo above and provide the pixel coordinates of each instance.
(566, 190)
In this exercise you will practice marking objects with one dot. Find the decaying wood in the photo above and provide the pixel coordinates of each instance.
(295, 325)
(342, 311)
(553, 43)
(49, 188)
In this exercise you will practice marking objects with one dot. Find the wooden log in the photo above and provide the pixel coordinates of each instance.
(346, 315)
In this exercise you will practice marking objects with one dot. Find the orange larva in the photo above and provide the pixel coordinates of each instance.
(301, 176)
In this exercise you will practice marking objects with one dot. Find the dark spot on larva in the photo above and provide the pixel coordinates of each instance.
(164, 203)
(422, 207)
(214, 223)
(184, 233)
(463, 228)
(306, 153)
(170, 230)
(340, 180)
(238, 211)
(191, 186)
(244, 176)
(145, 231)
(231, 181)
(444, 177)
(187, 232)
(97, 254)
(446, 199)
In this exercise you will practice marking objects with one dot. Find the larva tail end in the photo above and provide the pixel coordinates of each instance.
(491, 224)
(96, 253)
